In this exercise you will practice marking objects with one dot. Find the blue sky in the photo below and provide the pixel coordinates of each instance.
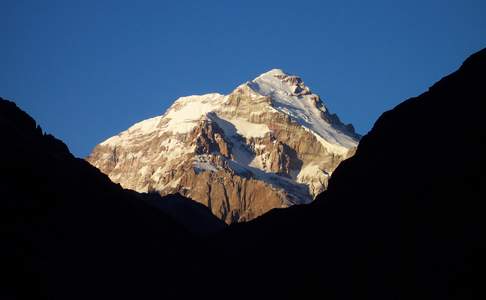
(86, 70)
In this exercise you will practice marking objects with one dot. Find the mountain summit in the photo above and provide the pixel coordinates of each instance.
(269, 143)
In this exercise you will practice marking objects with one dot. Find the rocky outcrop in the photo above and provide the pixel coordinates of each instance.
(270, 143)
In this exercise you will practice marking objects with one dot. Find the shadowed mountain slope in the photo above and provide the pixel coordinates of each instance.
(403, 218)
(69, 232)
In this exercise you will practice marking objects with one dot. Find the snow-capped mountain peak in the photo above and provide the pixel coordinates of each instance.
(271, 139)
(272, 72)
(291, 96)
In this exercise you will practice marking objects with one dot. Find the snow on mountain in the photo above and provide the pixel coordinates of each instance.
(269, 143)
(290, 96)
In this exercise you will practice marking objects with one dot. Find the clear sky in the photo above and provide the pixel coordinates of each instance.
(86, 70)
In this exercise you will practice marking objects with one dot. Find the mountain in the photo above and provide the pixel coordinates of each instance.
(270, 143)
(401, 219)
(68, 232)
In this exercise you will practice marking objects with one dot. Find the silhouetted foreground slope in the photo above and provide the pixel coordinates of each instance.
(194, 216)
(402, 219)
(69, 232)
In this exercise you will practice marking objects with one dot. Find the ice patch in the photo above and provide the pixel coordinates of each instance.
(174, 149)
(187, 111)
(248, 129)
(309, 172)
(138, 129)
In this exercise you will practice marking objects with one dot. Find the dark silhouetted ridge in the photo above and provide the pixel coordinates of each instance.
(402, 219)
(72, 233)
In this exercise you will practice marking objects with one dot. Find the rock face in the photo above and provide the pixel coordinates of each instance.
(269, 143)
